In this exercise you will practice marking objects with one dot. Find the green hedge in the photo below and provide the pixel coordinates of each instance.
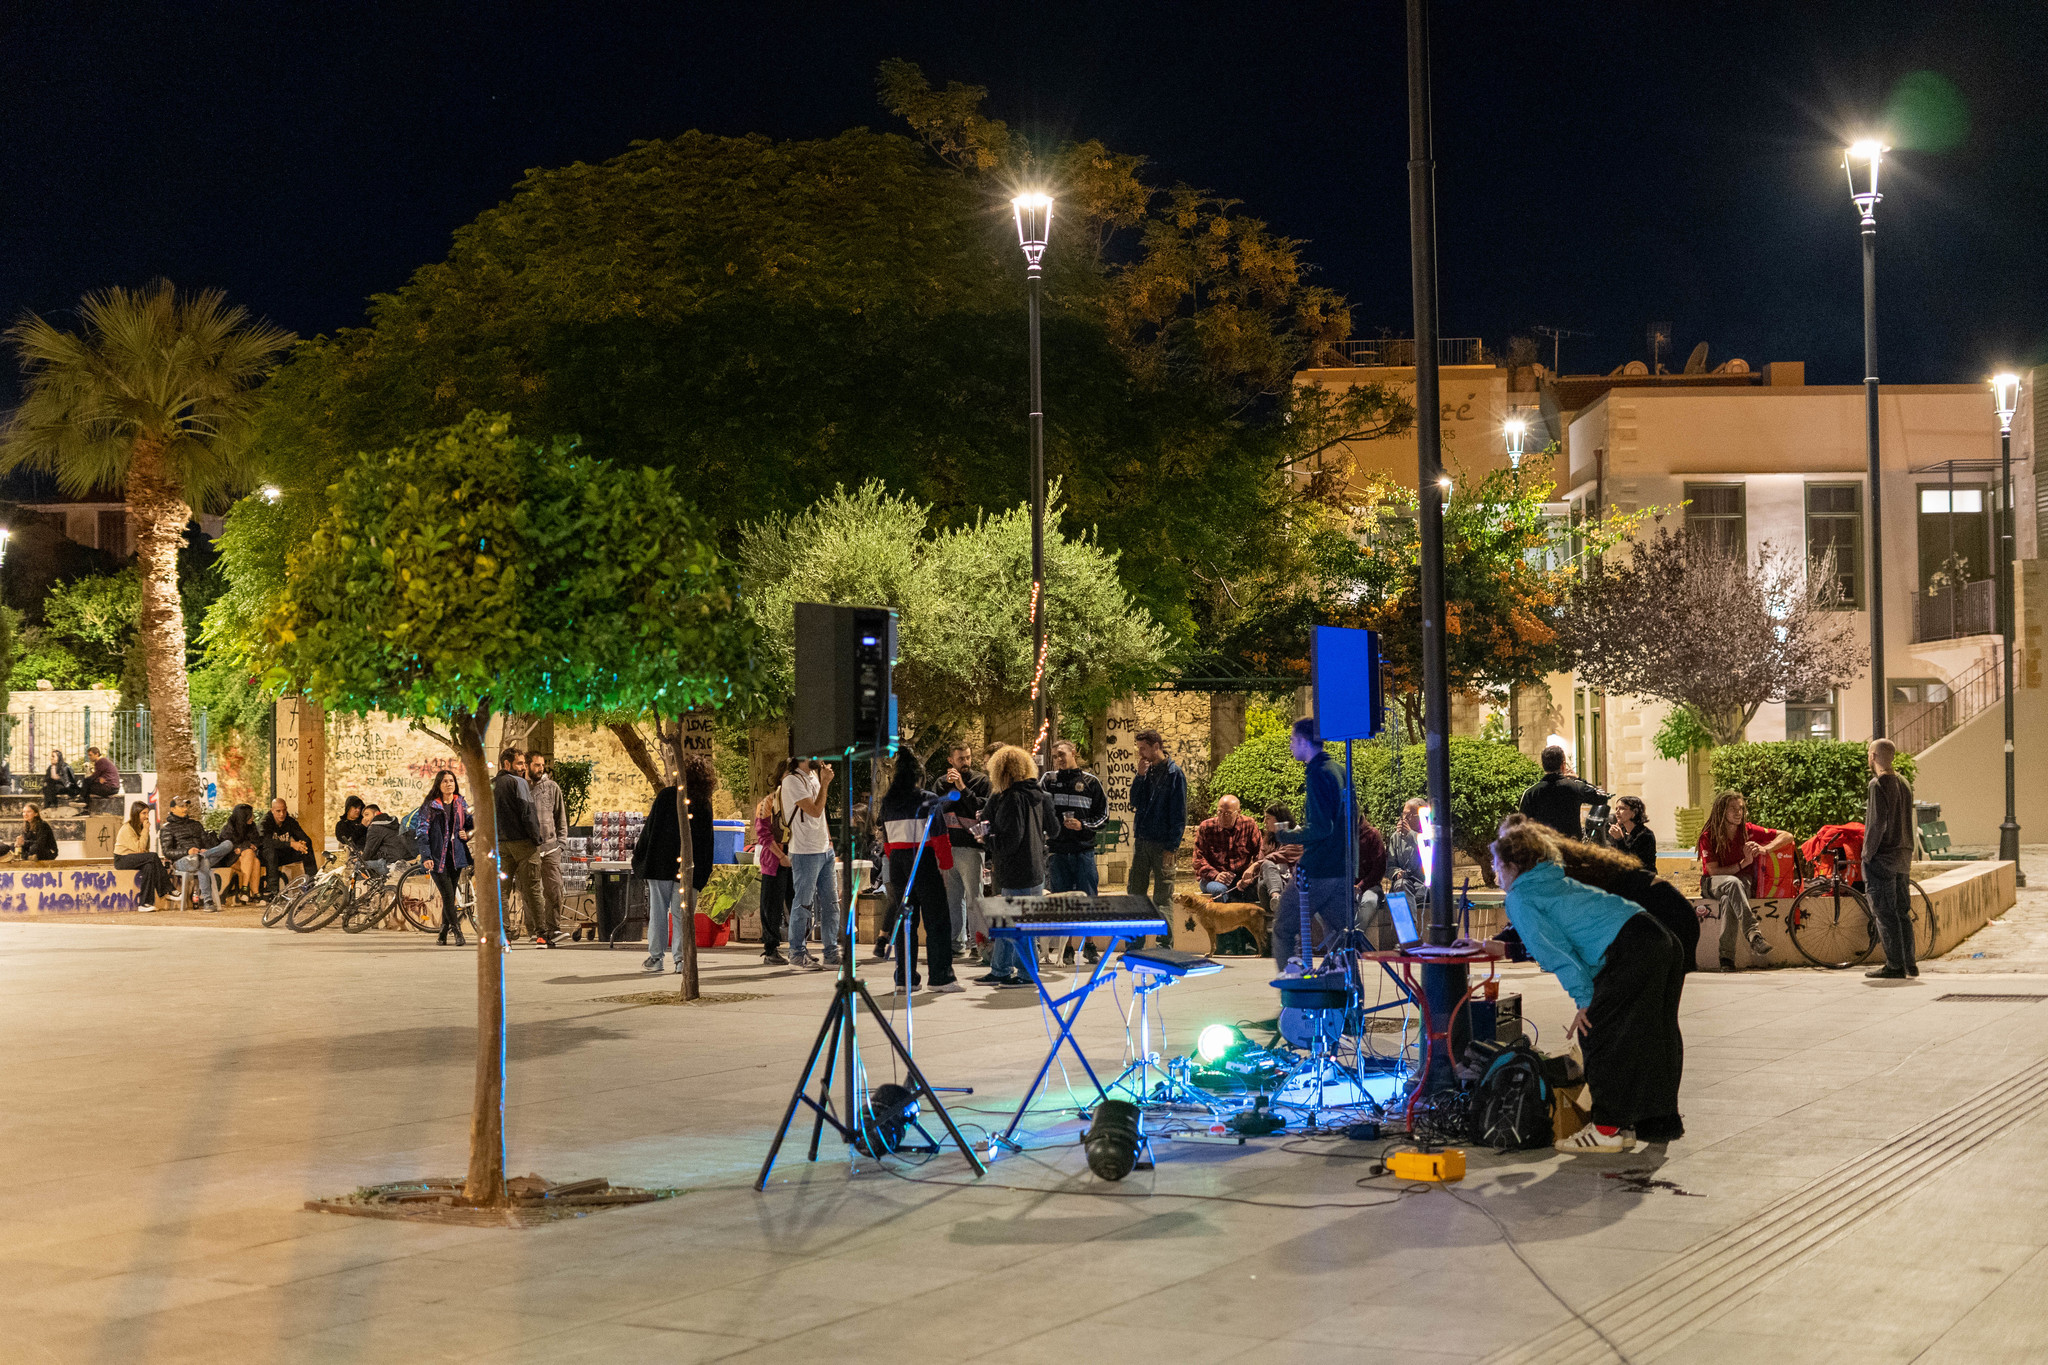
(1487, 779)
(1799, 785)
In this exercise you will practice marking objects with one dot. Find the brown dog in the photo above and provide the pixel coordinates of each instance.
(1217, 920)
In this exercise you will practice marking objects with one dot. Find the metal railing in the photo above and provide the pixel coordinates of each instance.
(1951, 614)
(127, 736)
(1972, 694)
(1401, 351)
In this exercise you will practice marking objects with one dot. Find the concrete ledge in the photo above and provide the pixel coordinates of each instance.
(1965, 897)
(65, 886)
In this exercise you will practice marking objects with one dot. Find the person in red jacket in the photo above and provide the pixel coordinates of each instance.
(1730, 851)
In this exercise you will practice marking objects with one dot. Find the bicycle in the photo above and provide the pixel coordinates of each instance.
(1831, 925)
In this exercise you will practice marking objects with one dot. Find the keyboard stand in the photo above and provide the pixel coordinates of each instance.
(1071, 1003)
(1171, 1088)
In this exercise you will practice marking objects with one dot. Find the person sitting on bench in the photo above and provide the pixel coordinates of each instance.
(190, 849)
(105, 778)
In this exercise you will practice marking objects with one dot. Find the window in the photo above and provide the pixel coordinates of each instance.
(1834, 521)
(1716, 511)
(1955, 538)
(1590, 734)
(1811, 719)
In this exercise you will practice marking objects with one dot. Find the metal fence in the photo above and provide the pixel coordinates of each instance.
(1976, 691)
(1401, 351)
(1951, 614)
(127, 737)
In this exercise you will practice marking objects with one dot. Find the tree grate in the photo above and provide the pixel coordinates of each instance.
(1994, 999)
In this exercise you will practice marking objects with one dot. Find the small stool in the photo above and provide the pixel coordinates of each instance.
(185, 879)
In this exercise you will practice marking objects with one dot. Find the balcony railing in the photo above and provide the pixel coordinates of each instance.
(1401, 351)
(1949, 614)
(1976, 691)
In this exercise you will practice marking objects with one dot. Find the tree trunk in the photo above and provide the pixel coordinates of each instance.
(635, 744)
(157, 509)
(486, 1183)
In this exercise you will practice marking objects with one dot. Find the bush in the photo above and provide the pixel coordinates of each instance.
(1799, 785)
(1487, 780)
(572, 775)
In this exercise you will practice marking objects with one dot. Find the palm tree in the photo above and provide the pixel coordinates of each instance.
(153, 395)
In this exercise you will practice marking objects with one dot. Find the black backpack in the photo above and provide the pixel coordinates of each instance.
(1512, 1102)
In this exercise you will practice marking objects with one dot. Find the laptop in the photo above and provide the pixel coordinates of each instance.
(1401, 910)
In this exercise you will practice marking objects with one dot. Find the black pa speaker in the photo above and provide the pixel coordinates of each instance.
(843, 698)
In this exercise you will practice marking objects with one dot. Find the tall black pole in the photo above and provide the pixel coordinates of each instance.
(1039, 747)
(2009, 832)
(1436, 693)
(1879, 720)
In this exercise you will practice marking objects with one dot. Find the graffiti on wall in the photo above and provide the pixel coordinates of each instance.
(59, 891)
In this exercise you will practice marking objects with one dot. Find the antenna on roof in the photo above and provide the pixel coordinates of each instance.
(1557, 336)
(1657, 336)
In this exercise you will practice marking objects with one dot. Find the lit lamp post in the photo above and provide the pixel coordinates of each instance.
(2005, 396)
(1865, 157)
(1518, 431)
(1034, 225)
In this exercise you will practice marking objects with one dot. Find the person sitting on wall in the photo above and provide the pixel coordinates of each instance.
(1226, 846)
(105, 778)
(1404, 853)
(132, 853)
(191, 850)
(1731, 852)
(38, 840)
(1266, 880)
(349, 830)
(284, 845)
(59, 782)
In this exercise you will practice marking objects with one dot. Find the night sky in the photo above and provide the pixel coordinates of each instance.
(1600, 166)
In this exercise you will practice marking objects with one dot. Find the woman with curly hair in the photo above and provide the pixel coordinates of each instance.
(1019, 814)
(1623, 970)
(1616, 871)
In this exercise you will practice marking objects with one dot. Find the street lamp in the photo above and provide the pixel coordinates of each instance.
(2005, 397)
(1034, 226)
(1517, 430)
(5, 536)
(1869, 156)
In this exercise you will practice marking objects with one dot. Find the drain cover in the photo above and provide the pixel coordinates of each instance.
(1994, 999)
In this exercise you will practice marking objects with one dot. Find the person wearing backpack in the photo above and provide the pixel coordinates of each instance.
(1623, 970)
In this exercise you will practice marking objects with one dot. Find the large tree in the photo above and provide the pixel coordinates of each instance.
(1680, 619)
(153, 396)
(772, 320)
(468, 573)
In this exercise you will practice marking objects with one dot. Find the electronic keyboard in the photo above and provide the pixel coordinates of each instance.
(1087, 916)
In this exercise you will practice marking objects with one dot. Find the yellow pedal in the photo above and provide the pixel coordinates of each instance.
(1442, 1166)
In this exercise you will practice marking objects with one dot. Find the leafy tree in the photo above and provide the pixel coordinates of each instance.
(1508, 572)
(1263, 770)
(96, 618)
(468, 572)
(1681, 620)
(1800, 785)
(960, 596)
(152, 395)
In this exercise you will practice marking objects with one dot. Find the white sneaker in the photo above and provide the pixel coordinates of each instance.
(650, 964)
(1590, 1141)
(950, 988)
(145, 909)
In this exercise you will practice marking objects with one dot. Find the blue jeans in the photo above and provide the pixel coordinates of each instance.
(1006, 956)
(661, 908)
(963, 893)
(212, 857)
(1072, 872)
(1329, 900)
(1892, 907)
(816, 890)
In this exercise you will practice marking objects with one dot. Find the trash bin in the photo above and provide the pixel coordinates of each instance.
(621, 903)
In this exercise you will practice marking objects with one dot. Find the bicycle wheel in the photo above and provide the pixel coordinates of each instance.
(320, 906)
(419, 900)
(367, 909)
(1831, 925)
(1926, 930)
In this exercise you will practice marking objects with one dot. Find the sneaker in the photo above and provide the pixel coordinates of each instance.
(1913, 969)
(1015, 982)
(1728, 965)
(807, 964)
(679, 965)
(771, 958)
(145, 909)
(1886, 973)
(543, 941)
(881, 951)
(1089, 954)
(1293, 967)
(1590, 1141)
(960, 950)
(650, 964)
(948, 988)
(1067, 958)
(992, 979)
(1758, 946)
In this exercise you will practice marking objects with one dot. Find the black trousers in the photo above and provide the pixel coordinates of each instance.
(1634, 1055)
(444, 882)
(278, 855)
(54, 790)
(776, 893)
(927, 903)
(153, 882)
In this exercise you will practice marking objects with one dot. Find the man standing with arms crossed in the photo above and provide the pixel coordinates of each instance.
(1159, 817)
(1887, 858)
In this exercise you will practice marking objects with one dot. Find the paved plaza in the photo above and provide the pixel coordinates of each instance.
(1865, 1177)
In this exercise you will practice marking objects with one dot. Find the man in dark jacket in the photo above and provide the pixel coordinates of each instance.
(1079, 808)
(1159, 817)
(1555, 798)
(1321, 888)
(1887, 858)
(189, 848)
(384, 842)
(519, 845)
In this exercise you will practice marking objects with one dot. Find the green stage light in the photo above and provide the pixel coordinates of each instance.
(1216, 1041)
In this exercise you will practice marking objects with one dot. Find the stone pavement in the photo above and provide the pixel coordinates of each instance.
(1863, 1178)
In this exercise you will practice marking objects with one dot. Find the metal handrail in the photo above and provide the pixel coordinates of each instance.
(1949, 614)
(1390, 351)
(1969, 696)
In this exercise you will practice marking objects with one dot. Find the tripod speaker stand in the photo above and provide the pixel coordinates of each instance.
(845, 705)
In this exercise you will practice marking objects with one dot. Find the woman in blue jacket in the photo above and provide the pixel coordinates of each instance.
(1623, 970)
